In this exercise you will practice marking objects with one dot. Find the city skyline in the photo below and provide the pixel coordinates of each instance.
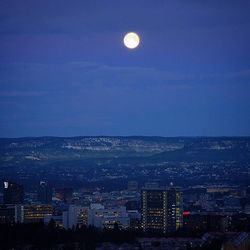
(125, 124)
(66, 72)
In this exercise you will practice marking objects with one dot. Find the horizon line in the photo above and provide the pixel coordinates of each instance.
(129, 136)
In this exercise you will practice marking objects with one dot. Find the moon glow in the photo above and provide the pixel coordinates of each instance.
(131, 40)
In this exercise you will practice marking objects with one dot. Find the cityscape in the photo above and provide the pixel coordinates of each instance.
(124, 125)
(148, 188)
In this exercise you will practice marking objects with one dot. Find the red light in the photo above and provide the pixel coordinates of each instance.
(186, 213)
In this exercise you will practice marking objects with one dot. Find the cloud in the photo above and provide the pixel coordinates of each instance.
(75, 80)
(21, 93)
(94, 98)
(45, 17)
(76, 74)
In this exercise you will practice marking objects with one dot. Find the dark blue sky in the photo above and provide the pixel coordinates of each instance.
(65, 71)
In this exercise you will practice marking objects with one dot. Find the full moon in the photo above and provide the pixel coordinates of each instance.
(131, 40)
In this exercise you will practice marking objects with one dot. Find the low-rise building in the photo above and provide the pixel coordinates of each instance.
(101, 217)
(32, 213)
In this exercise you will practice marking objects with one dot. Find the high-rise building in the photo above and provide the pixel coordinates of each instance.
(12, 193)
(44, 193)
(161, 209)
(154, 209)
(174, 209)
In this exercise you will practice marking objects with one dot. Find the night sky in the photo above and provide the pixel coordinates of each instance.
(64, 70)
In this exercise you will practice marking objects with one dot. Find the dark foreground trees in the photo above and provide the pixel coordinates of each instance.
(41, 236)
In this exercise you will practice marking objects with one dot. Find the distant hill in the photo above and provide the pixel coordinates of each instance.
(39, 149)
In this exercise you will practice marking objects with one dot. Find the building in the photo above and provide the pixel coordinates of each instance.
(135, 219)
(44, 193)
(133, 204)
(174, 209)
(101, 217)
(161, 209)
(32, 213)
(12, 193)
(75, 216)
(152, 185)
(7, 213)
(205, 221)
(132, 185)
(64, 194)
(154, 209)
